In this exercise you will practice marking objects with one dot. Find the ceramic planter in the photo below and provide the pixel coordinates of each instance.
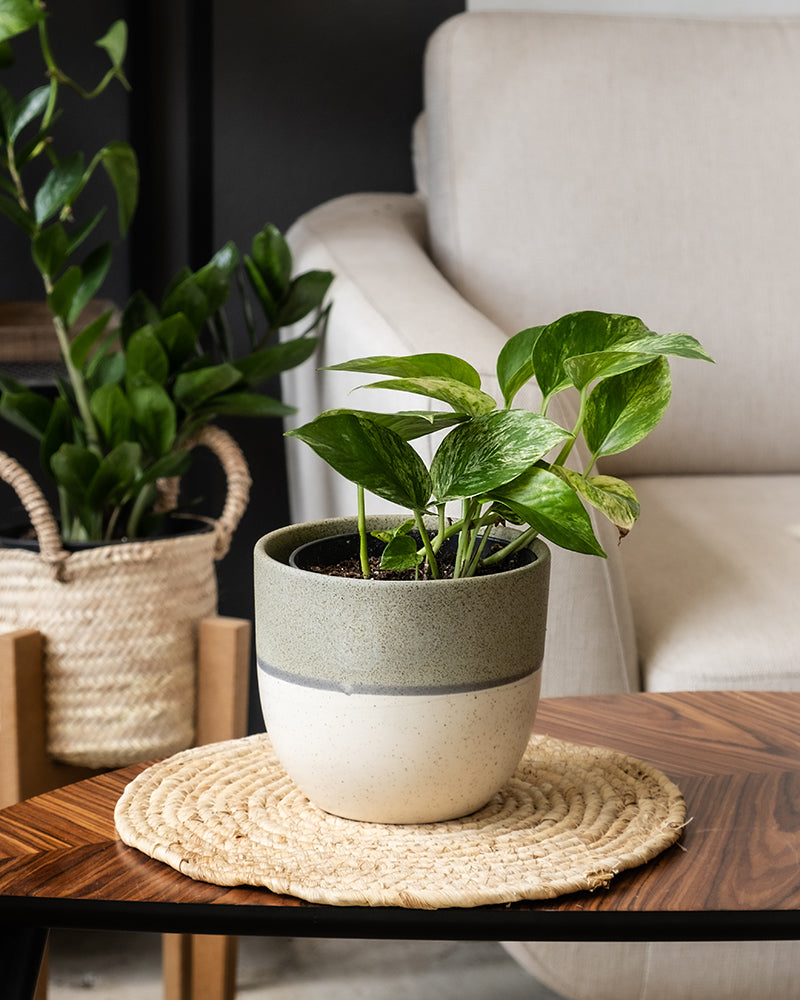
(397, 701)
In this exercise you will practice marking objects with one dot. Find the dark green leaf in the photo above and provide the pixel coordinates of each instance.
(193, 389)
(74, 466)
(490, 450)
(244, 404)
(370, 455)
(116, 475)
(263, 294)
(50, 248)
(175, 463)
(112, 411)
(624, 408)
(64, 294)
(216, 285)
(120, 163)
(178, 338)
(139, 311)
(85, 341)
(29, 108)
(59, 431)
(63, 181)
(94, 270)
(190, 299)
(262, 365)
(306, 293)
(27, 410)
(155, 417)
(515, 362)
(145, 358)
(544, 501)
(273, 259)
(106, 367)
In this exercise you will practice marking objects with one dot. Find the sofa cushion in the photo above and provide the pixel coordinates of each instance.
(713, 571)
(638, 165)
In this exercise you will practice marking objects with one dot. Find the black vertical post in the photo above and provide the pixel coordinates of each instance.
(21, 952)
(200, 115)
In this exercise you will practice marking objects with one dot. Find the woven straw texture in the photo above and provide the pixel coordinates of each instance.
(570, 819)
(119, 624)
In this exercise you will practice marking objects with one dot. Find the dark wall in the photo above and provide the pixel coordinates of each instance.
(244, 112)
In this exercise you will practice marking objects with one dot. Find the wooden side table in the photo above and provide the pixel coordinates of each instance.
(733, 875)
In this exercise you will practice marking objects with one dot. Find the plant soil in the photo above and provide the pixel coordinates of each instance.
(351, 568)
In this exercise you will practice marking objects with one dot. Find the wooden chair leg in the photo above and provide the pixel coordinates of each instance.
(203, 966)
(196, 967)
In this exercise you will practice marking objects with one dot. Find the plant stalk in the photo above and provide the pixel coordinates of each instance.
(362, 533)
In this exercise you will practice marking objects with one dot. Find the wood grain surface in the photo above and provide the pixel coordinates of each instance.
(734, 873)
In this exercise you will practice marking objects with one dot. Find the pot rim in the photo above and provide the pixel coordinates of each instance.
(277, 546)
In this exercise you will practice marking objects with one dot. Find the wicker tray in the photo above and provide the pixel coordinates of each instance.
(570, 819)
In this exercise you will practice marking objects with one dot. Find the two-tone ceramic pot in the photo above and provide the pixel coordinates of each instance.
(397, 701)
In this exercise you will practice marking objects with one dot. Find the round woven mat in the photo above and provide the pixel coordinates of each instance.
(570, 819)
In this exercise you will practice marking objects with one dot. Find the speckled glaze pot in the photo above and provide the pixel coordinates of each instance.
(397, 701)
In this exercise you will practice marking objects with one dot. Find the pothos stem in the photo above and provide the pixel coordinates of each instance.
(362, 533)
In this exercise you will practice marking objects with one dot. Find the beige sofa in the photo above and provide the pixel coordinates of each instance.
(640, 165)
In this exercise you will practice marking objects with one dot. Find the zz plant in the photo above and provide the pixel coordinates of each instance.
(135, 392)
(498, 463)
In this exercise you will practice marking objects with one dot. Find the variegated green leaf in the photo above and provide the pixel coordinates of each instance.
(585, 368)
(414, 366)
(490, 450)
(515, 362)
(371, 456)
(574, 335)
(547, 503)
(612, 497)
(411, 424)
(676, 345)
(462, 397)
(624, 408)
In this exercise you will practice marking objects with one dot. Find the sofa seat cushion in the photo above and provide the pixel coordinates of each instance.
(713, 570)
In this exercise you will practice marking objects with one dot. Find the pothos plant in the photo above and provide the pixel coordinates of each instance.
(498, 463)
(138, 390)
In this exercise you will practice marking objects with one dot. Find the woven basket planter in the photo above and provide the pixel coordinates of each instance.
(397, 701)
(119, 622)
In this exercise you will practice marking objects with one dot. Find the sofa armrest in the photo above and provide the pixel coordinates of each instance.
(389, 298)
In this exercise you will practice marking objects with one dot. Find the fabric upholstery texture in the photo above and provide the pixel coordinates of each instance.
(642, 165)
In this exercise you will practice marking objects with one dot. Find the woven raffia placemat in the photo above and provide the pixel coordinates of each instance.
(570, 819)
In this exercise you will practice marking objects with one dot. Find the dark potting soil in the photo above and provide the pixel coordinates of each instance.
(351, 568)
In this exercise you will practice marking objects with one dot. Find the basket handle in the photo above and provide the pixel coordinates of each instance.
(38, 510)
(237, 474)
(45, 525)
